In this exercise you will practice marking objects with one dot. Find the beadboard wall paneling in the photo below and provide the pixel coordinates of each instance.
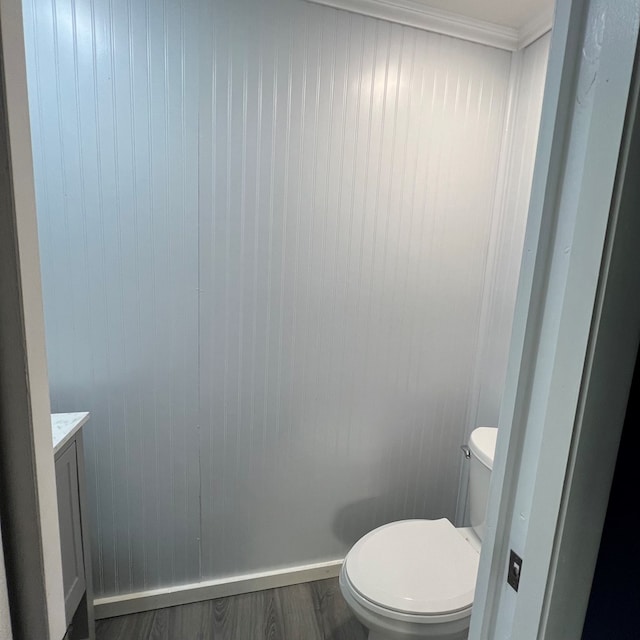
(511, 205)
(265, 230)
(508, 238)
(113, 91)
(348, 169)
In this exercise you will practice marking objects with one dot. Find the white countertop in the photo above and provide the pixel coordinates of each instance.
(64, 426)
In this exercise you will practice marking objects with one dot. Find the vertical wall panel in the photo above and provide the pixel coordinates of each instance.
(113, 93)
(530, 69)
(345, 230)
(511, 205)
(265, 229)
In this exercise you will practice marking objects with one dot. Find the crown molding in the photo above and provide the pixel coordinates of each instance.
(417, 14)
(536, 28)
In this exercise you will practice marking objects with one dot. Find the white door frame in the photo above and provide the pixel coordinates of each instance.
(574, 338)
(28, 492)
(608, 374)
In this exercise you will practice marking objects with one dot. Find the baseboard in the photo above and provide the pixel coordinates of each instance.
(210, 589)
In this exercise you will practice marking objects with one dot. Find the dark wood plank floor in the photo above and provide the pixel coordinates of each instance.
(312, 611)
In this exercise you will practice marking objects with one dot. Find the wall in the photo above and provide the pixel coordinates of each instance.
(113, 97)
(517, 159)
(265, 234)
(511, 203)
(344, 222)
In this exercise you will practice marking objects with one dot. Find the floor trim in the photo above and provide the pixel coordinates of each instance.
(207, 590)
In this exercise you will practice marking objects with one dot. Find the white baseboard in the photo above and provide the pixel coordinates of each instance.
(210, 589)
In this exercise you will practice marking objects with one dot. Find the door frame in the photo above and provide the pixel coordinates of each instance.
(28, 500)
(575, 334)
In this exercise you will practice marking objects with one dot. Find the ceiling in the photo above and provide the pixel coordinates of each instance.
(509, 13)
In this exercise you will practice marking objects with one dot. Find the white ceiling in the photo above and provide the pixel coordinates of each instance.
(509, 13)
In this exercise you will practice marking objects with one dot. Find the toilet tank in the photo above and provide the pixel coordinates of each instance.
(482, 445)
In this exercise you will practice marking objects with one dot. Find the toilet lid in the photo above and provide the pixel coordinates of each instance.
(415, 566)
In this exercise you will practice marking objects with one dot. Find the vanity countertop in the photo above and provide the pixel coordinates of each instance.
(64, 426)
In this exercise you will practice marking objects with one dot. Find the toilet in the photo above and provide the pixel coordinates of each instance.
(417, 578)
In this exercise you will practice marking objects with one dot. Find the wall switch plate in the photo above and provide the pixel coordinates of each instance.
(515, 569)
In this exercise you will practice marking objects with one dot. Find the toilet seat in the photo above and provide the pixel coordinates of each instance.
(415, 569)
(416, 620)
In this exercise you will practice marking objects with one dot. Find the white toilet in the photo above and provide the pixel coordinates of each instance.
(416, 578)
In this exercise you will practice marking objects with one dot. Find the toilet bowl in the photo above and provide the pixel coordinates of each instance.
(416, 578)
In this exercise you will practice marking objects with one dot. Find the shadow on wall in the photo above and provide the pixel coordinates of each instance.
(349, 524)
(373, 482)
(395, 499)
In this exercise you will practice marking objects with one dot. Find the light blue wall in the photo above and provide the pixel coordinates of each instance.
(513, 200)
(265, 229)
(114, 109)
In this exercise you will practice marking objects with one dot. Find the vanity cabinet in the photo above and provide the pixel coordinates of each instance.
(70, 529)
(74, 536)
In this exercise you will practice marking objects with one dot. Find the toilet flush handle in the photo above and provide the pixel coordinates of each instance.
(465, 449)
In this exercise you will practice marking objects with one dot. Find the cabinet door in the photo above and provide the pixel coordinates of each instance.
(70, 529)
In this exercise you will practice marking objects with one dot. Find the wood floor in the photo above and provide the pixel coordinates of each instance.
(312, 611)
